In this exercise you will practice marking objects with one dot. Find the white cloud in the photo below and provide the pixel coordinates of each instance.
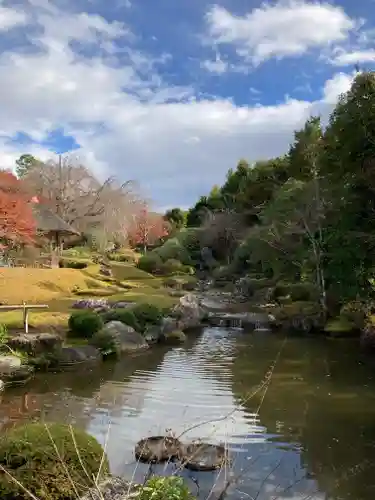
(349, 58)
(218, 66)
(129, 122)
(339, 84)
(281, 29)
(10, 18)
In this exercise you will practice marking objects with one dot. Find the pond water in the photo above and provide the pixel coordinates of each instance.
(308, 434)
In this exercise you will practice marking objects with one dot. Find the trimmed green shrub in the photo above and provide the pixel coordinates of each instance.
(121, 257)
(147, 314)
(105, 342)
(165, 488)
(150, 263)
(126, 316)
(172, 249)
(49, 462)
(72, 264)
(84, 324)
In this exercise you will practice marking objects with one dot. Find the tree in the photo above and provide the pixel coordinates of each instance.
(17, 225)
(24, 164)
(292, 226)
(176, 218)
(222, 231)
(147, 228)
(81, 199)
(348, 164)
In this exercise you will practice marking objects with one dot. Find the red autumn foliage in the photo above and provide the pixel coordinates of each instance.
(147, 228)
(17, 224)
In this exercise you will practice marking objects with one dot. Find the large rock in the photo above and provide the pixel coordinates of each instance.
(189, 312)
(35, 343)
(13, 372)
(113, 488)
(125, 337)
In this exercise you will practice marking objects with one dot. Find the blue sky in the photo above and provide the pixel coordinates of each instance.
(172, 94)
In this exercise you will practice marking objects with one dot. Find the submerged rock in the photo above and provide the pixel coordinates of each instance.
(125, 337)
(71, 356)
(204, 456)
(175, 337)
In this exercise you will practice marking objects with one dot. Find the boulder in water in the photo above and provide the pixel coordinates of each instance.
(125, 337)
(204, 456)
(157, 449)
(13, 372)
(189, 312)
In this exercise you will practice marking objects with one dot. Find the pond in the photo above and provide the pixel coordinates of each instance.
(304, 430)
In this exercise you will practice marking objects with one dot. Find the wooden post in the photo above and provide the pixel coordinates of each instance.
(25, 318)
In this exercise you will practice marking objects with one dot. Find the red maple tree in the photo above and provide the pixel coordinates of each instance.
(147, 228)
(17, 225)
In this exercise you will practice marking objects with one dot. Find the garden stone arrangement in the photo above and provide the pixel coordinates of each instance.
(98, 329)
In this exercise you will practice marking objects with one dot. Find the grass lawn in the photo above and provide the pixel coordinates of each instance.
(60, 288)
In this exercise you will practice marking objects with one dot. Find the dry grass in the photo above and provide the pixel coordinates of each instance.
(59, 288)
(38, 285)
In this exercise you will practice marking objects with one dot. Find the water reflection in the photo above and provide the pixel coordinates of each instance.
(310, 433)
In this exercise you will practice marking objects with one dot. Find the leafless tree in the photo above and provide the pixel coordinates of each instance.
(81, 199)
(222, 231)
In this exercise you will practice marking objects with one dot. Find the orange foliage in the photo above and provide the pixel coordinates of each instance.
(17, 224)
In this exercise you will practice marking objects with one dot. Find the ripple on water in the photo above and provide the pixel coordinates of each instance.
(186, 389)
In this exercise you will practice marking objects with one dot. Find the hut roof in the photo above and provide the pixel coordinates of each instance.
(47, 221)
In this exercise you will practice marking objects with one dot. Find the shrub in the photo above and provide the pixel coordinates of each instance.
(105, 342)
(300, 316)
(84, 324)
(29, 454)
(296, 291)
(147, 314)
(172, 249)
(163, 488)
(173, 266)
(126, 316)
(355, 313)
(72, 264)
(150, 263)
(340, 326)
(121, 257)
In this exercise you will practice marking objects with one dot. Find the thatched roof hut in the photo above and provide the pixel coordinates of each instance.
(51, 225)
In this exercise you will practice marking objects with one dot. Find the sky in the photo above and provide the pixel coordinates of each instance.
(171, 94)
